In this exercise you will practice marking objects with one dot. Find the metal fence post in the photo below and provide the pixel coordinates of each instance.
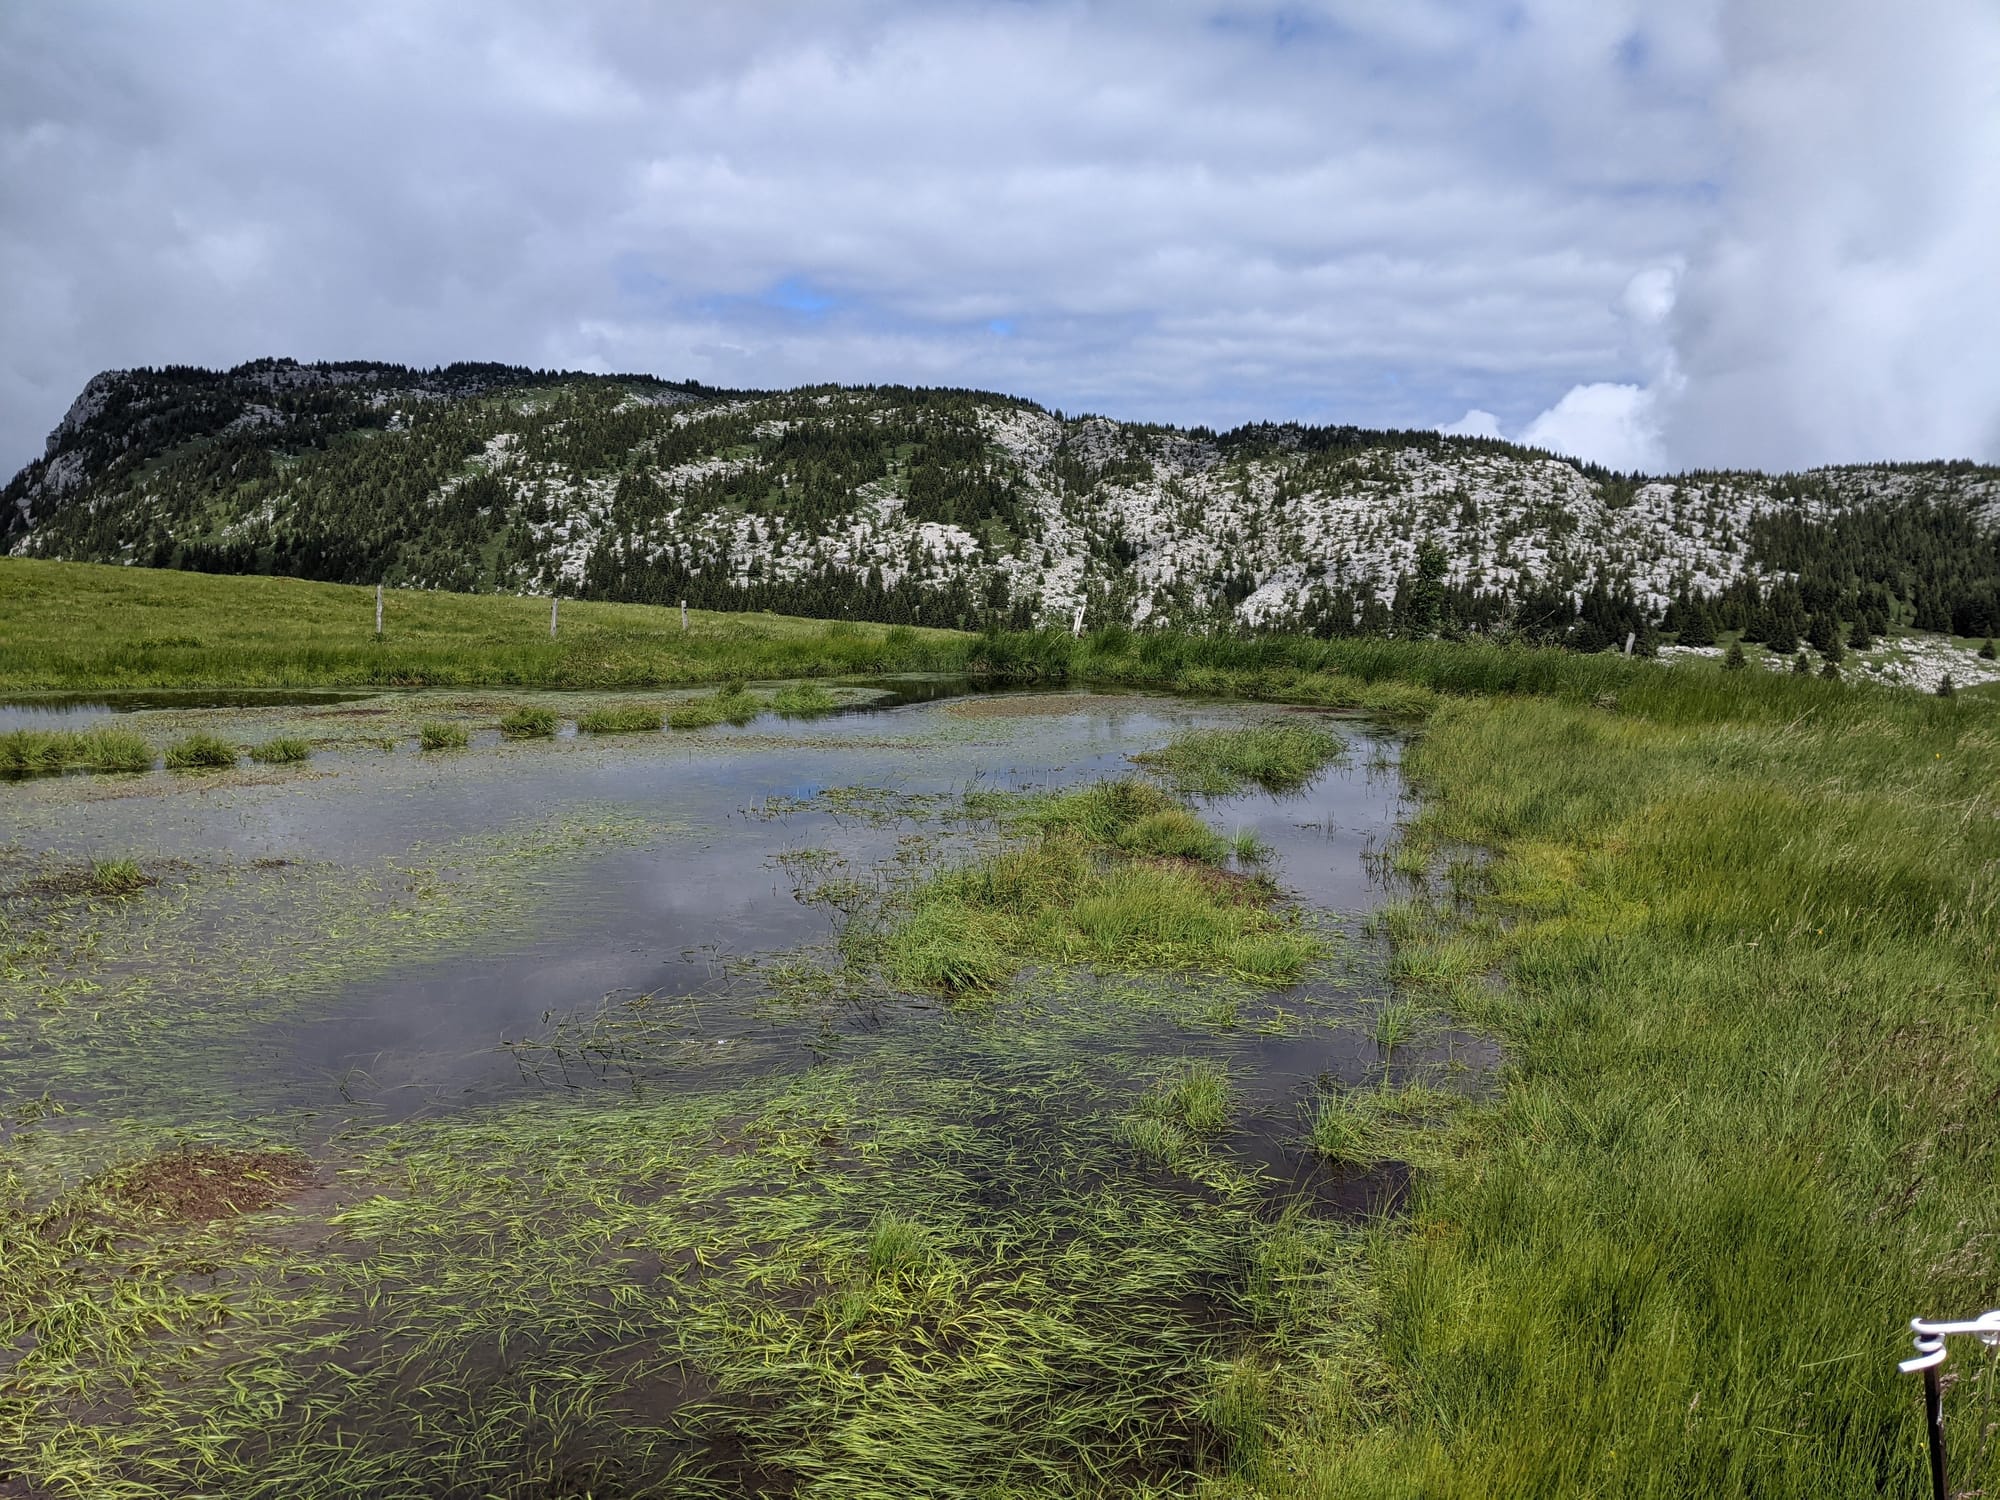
(1929, 1339)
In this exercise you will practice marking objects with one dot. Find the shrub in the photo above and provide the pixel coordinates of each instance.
(281, 751)
(1733, 660)
(436, 736)
(200, 752)
(529, 724)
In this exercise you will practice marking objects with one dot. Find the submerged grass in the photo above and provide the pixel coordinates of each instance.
(781, 1288)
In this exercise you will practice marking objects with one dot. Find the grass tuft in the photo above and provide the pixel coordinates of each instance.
(200, 752)
(282, 750)
(117, 877)
(528, 724)
(803, 700)
(39, 752)
(1215, 762)
(734, 704)
(623, 718)
(437, 736)
(1096, 887)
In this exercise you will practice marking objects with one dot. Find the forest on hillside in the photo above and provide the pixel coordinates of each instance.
(964, 508)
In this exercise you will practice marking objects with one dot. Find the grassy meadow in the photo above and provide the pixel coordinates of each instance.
(70, 626)
(1737, 934)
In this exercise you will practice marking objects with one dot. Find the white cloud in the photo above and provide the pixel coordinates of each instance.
(1614, 425)
(1475, 423)
(1334, 211)
(1843, 306)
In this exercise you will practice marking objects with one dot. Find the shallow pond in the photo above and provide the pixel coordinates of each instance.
(614, 966)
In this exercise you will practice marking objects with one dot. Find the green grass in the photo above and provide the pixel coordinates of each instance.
(621, 718)
(1216, 762)
(1106, 880)
(81, 625)
(528, 724)
(803, 700)
(117, 877)
(1747, 925)
(281, 750)
(734, 704)
(437, 736)
(200, 752)
(35, 752)
(1743, 1137)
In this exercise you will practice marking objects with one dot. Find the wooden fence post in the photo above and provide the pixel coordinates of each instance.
(378, 611)
(684, 614)
(554, 605)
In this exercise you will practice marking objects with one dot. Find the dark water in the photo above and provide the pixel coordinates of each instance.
(79, 710)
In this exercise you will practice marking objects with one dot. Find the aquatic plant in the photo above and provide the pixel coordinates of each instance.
(117, 877)
(1345, 1128)
(200, 751)
(32, 752)
(803, 700)
(1280, 757)
(621, 718)
(1092, 887)
(734, 704)
(528, 724)
(281, 750)
(433, 735)
(1395, 1022)
(1173, 833)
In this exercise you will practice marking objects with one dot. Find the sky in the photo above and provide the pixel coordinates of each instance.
(1657, 235)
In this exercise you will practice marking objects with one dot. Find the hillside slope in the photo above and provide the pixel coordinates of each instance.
(963, 508)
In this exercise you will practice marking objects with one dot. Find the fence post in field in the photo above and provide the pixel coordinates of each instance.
(554, 605)
(1630, 637)
(1076, 625)
(1930, 1337)
(378, 611)
(684, 614)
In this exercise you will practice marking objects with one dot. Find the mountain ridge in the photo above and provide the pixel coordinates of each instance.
(966, 507)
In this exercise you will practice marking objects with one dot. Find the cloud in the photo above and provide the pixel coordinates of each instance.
(1332, 211)
(1614, 425)
(1336, 211)
(1843, 305)
(1475, 423)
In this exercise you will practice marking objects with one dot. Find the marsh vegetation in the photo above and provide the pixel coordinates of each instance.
(1038, 1133)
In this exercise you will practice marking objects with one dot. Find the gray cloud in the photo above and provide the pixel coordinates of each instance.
(1342, 211)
